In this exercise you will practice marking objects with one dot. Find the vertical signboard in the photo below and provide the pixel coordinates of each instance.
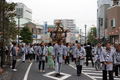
(45, 27)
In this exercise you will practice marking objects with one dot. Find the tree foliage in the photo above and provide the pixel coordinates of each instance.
(7, 22)
(92, 36)
(26, 35)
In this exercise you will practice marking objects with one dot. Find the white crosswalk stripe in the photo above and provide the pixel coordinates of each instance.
(95, 74)
(91, 72)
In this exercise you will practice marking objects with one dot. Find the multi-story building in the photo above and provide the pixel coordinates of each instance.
(67, 23)
(36, 30)
(25, 15)
(103, 5)
(23, 11)
(114, 22)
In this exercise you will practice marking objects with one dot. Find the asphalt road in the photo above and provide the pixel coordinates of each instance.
(68, 73)
(29, 71)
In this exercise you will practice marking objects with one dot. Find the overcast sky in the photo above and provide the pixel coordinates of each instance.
(82, 11)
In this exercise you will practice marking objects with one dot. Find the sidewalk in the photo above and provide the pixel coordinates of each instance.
(7, 73)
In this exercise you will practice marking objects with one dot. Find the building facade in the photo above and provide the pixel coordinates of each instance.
(23, 11)
(36, 30)
(101, 15)
(114, 22)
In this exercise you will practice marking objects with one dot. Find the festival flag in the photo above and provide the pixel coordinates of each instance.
(109, 33)
(116, 31)
(112, 33)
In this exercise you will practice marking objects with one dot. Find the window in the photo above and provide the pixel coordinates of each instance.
(101, 21)
(32, 30)
(106, 24)
(113, 23)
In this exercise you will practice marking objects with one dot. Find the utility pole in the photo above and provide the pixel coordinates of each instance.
(18, 29)
(36, 35)
(85, 33)
(80, 35)
(99, 27)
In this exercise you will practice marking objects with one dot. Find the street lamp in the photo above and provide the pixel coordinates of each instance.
(80, 35)
(36, 35)
(85, 33)
(18, 28)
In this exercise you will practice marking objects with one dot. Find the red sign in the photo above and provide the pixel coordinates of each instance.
(48, 30)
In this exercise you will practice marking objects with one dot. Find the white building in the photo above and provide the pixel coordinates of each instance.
(23, 11)
(67, 23)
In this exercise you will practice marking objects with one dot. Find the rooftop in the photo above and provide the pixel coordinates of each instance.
(49, 26)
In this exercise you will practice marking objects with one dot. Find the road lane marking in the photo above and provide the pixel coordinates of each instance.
(65, 76)
(84, 73)
(27, 72)
(18, 60)
(107, 77)
(92, 71)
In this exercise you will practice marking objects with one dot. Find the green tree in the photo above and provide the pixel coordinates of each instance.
(26, 35)
(7, 22)
(92, 36)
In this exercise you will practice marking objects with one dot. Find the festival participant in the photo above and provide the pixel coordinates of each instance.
(74, 50)
(14, 56)
(50, 59)
(80, 55)
(42, 53)
(31, 52)
(36, 52)
(23, 52)
(71, 51)
(27, 49)
(89, 54)
(10, 53)
(117, 54)
(97, 54)
(68, 54)
(108, 59)
(58, 52)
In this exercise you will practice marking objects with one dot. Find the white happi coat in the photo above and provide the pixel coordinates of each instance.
(27, 48)
(58, 52)
(42, 53)
(14, 52)
(110, 59)
(68, 50)
(36, 49)
(31, 50)
(74, 50)
(71, 50)
(79, 54)
(23, 50)
(98, 53)
(117, 54)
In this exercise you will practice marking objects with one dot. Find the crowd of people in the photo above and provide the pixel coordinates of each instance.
(103, 57)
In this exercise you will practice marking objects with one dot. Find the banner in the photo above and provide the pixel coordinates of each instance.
(45, 27)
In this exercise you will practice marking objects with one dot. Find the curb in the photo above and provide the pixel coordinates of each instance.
(9, 73)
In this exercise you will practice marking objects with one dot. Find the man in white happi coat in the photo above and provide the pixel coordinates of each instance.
(80, 55)
(117, 54)
(23, 52)
(108, 59)
(58, 52)
(42, 53)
